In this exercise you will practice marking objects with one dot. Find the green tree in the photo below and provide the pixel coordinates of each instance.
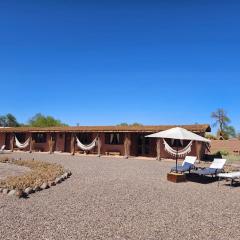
(229, 132)
(133, 124)
(221, 120)
(123, 124)
(136, 124)
(39, 120)
(9, 120)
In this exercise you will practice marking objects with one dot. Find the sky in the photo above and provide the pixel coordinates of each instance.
(107, 62)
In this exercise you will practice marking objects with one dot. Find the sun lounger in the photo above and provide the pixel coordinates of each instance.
(2, 148)
(233, 176)
(187, 165)
(215, 168)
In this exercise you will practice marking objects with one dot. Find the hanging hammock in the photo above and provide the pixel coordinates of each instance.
(87, 147)
(22, 145)
(181, 152)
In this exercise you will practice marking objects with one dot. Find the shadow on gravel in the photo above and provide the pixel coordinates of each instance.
(192, 177)
(234, 185)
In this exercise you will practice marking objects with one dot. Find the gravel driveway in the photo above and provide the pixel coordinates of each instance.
(114, 198)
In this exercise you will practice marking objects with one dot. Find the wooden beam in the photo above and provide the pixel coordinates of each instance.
(158, 149)
(73, 139)
(12, 142)
(99, 145)
(127, 145)
(30, 143)
(51, 144)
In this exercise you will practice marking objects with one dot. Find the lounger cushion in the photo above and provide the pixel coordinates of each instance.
(207, 171)
(186, 167)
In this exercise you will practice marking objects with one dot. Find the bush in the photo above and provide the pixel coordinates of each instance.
(222, 153)
(211, 136)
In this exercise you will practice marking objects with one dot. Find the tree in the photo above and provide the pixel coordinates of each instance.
(39, 120)
(3, 121)
(229, 132)
(127, 124)
(221, 120)
(123, 124)
(9, 120)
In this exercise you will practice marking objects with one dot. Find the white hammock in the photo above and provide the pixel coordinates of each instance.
(181, 152)
(22, 145)
(87, 147)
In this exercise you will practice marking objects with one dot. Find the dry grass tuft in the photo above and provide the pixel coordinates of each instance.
(40, 172)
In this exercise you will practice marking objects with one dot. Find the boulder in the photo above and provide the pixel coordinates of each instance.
(12, 192)
(44, 186)
(19, 193)
(36, 189)
(65, 175)
(5, 191)
(51, 183)
(28, 190)
(58, 180)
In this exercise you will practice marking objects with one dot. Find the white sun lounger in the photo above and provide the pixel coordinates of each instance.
(233, 176)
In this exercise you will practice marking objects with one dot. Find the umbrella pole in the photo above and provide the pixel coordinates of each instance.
(176, 160)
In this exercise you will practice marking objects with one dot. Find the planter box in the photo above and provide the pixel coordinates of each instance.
(176, 177)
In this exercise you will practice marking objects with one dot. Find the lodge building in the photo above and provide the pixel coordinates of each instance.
(111, 140)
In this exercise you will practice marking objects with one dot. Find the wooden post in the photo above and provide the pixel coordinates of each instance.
(30, 143)
(198, 147)
(99, 145)
(72, 143)
(12, 142)
(51, 144)
(158, 149)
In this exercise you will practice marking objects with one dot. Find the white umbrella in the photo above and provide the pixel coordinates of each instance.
(179, 134)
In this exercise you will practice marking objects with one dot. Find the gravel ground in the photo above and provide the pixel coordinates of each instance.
(7, 170)
(119, 199)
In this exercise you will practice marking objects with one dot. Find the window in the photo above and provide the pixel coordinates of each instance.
(113, 138)
(40, 137)
(21, 137)
(85, 138)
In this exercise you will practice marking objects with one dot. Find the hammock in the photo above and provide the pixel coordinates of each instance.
(181, 152)
(87, 147)
(22, 145)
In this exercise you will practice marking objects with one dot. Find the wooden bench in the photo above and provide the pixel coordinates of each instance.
(113, 153)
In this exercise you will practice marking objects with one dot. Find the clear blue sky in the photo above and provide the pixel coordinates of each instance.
(92, 63)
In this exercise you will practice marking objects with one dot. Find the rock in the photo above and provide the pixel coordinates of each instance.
(58, 180)
(51, 183)
(69, 173)
(65, 175)
(19, 193)
(12, 192)
(28, 190)
(5, 191)
(44, 186)
(36, 189)
(1, 189)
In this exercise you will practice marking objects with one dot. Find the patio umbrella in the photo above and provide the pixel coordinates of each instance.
(178, 133)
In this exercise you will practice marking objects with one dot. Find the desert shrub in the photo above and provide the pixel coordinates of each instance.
(40, 172)
(222, 153)
(211, 136)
